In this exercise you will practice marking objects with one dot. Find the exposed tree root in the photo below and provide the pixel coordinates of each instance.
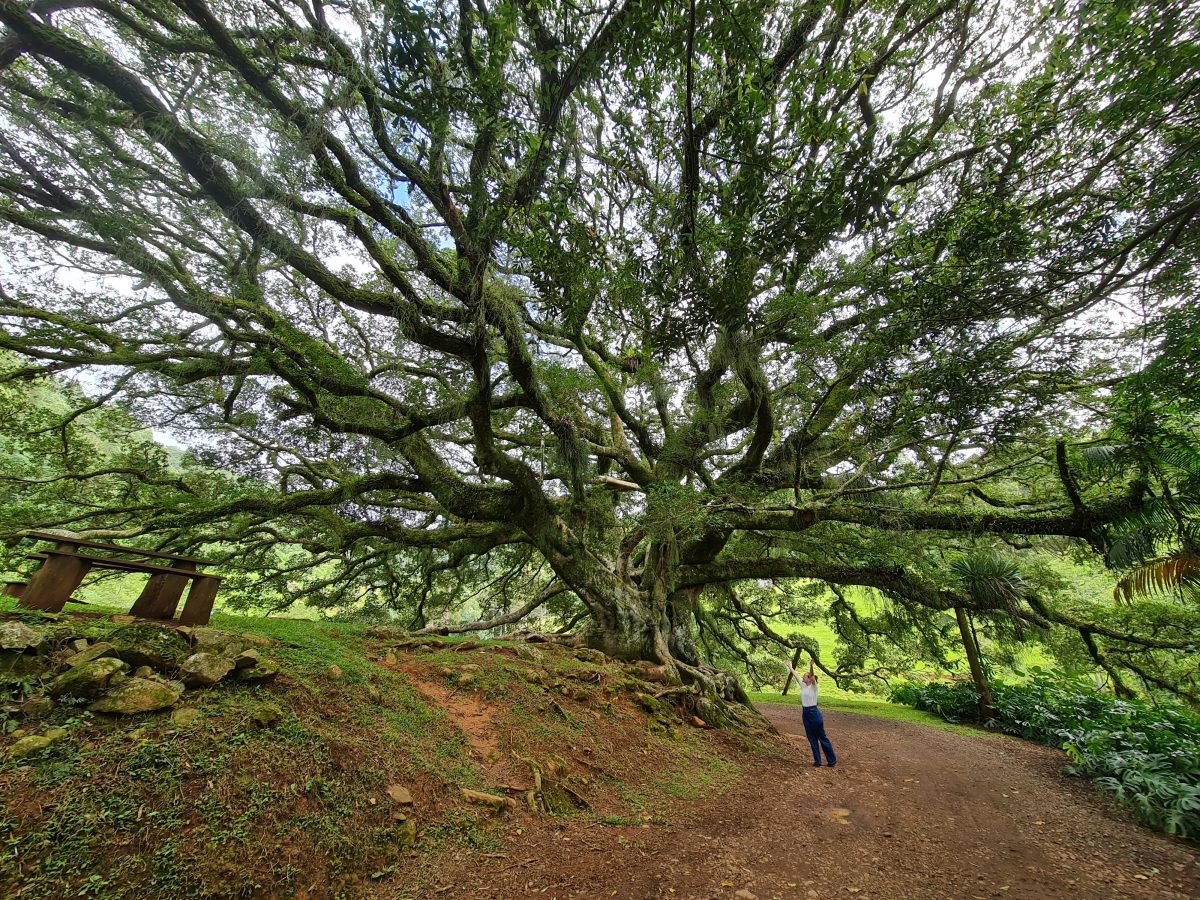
(716, 697)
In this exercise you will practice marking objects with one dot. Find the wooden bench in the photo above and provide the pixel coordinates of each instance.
(17, 588)
(64, 567)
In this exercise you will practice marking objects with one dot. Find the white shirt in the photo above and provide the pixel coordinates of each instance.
(808, 694)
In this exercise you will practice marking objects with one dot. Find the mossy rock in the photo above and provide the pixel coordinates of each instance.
(147, 644)
(205, 669)
(649, 704)
(247, 659)
(266, 715)
(15, 636)
(95, 651)
(226, 643)
(586, 654)
(37, 707)
(557, 800)
(529, 653)
(89, 680)
(186, 717)
(136, 695)
(263, 673)
(406, 831)
(29, 745)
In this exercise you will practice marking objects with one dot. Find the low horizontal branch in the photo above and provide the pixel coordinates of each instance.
(508, 618)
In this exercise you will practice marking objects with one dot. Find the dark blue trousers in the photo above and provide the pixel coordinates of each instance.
(814, 728)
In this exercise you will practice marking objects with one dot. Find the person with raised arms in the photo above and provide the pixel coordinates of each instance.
(814, 722)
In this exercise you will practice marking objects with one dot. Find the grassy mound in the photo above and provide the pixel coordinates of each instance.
(343, 777)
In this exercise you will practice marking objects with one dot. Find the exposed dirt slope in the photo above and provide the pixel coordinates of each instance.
(910, 812)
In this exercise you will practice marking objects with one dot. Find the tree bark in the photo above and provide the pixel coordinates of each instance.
(787, 682)
(986, 709)
(625, 630)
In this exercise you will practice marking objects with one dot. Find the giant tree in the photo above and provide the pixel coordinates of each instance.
(652, 298)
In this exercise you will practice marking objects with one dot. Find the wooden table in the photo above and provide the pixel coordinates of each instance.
(64, 567)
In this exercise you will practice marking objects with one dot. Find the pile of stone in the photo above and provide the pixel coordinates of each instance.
(139, 667)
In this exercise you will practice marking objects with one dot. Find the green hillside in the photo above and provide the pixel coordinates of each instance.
(343, 774)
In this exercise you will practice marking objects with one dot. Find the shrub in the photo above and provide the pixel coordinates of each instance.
(1147, 756)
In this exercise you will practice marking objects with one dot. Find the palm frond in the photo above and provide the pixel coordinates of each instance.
(993, 580)
(1181, 458)
(1173, 574)
(1154, 515)
(1132, 547)
(1103, 459)
(988, 576)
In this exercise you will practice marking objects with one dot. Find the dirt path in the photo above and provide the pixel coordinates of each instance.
(910, 812)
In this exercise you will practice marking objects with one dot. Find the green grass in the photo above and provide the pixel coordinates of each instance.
(879, 709)
(114, 593)
(694, 773)
(9, 604)
(301, 790)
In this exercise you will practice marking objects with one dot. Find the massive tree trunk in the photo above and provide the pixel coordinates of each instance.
(624, 627)
(681, 617)
(643, 616)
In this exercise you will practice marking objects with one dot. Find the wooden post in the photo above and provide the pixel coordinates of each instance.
(160, 597)
(198, 608)
(787, 682)
(52, 584)
(14, 588)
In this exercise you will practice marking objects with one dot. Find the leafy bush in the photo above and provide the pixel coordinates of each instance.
(953, 702)
(1148, 756)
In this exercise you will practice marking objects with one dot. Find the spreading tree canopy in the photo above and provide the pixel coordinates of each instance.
(657, 304)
